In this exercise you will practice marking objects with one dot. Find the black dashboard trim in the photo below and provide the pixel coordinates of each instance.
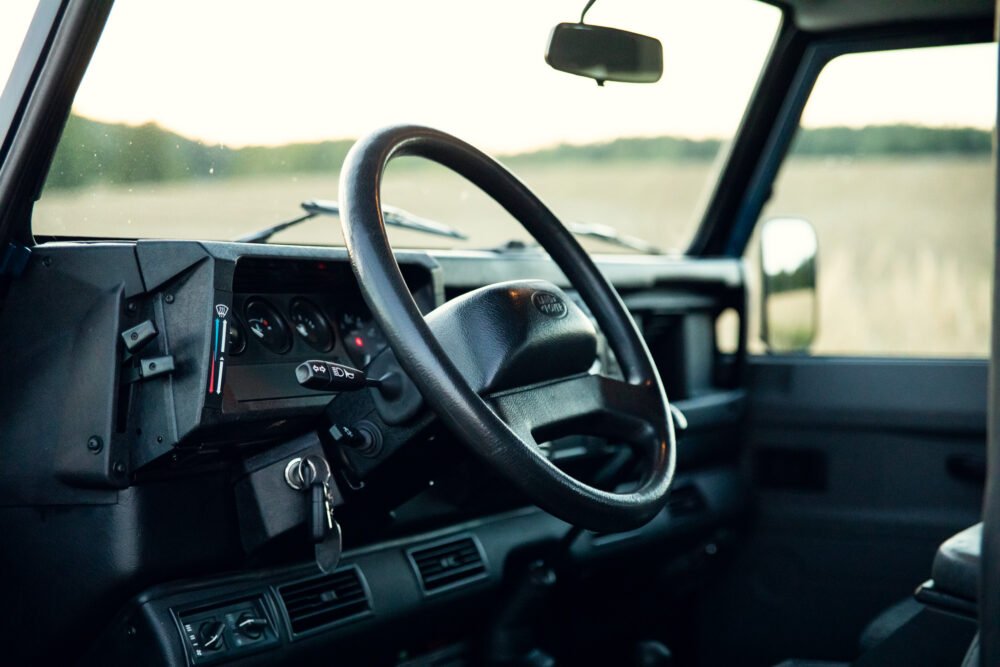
(393, 587)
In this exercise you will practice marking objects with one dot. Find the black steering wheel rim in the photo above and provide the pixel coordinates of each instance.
(441, 383)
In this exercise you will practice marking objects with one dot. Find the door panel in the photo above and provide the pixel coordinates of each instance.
(861, 468)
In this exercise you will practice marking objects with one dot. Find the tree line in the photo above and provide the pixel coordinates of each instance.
(94, 152)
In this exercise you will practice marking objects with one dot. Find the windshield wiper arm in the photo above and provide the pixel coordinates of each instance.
(397, 217)
(261, 236)
(611, 235)
(394, 217)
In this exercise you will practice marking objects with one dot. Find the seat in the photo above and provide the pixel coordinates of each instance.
(936, 628)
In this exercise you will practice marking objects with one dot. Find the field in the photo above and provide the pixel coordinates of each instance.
(906, 245)
(905, 253)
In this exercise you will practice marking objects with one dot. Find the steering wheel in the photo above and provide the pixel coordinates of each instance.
(506, 366)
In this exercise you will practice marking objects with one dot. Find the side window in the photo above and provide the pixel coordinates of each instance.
(892, 167)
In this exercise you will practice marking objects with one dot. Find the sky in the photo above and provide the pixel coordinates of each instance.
(788, 242)
(241, 72)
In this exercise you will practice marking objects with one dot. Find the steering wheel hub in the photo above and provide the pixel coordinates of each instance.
(500, 338)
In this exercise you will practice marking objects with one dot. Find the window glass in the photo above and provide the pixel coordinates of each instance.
(15, 17)
(892, 166)
(213, 120)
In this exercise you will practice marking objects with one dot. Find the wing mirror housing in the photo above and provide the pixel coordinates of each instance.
(605, 54)
(789, 309)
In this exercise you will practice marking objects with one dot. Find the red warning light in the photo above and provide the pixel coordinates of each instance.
(359, 341)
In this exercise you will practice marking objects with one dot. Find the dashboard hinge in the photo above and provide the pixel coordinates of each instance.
(14, 259)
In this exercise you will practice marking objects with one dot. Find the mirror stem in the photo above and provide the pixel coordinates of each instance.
(590, 3)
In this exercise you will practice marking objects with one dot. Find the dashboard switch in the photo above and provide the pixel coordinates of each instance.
(155, 366)
(230, 630)
(250, 626)
(150, 368)
(347, 436)
(328, 376)
(365, 438)
(313, 375)
(139, 336)
(210, 634)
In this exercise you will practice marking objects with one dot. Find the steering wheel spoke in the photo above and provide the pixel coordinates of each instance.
(584, 404)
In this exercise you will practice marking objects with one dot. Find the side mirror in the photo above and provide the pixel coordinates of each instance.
(788, 320)
(605, 54)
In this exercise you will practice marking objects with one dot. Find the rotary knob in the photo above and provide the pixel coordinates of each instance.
(210, 634)
(250, 626)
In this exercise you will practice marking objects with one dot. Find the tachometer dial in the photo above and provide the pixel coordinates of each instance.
(362, 337)
(267, 326)
(310, 322)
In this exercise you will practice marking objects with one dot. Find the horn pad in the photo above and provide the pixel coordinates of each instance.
(515, 333)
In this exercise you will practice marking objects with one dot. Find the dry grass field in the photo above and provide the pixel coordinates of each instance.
(905, 253)
(654, 201)
(906, 246)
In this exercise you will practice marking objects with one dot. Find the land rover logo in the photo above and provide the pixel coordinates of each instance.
(549, 304)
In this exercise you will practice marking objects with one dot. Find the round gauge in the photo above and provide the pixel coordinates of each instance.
(267, 326)
(362, 337)
(312, 325)
(237, 339)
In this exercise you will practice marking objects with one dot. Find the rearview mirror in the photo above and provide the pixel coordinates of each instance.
(788, 277)
(605, 54)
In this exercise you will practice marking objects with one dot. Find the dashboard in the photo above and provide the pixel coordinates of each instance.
(226, 325)
(172, 367)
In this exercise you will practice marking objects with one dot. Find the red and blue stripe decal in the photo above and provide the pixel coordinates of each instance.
(220, 335)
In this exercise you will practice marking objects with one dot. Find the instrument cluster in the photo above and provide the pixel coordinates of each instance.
(270, 326)
(282, 311)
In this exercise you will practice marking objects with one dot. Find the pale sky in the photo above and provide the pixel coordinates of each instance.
(244, 72)
(789, 242)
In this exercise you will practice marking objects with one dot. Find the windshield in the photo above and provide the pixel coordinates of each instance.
(17, 17)
(214, 120)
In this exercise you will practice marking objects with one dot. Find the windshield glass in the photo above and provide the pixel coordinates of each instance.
(16, 18)
(214, 120)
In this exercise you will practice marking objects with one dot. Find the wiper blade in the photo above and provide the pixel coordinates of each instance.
(394, 217)
(611, 235)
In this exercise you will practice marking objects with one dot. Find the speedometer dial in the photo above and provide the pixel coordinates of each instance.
(267, 326)
(310, 323)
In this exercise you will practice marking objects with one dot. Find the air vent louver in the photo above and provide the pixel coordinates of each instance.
(325, 600)
(446, 565)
